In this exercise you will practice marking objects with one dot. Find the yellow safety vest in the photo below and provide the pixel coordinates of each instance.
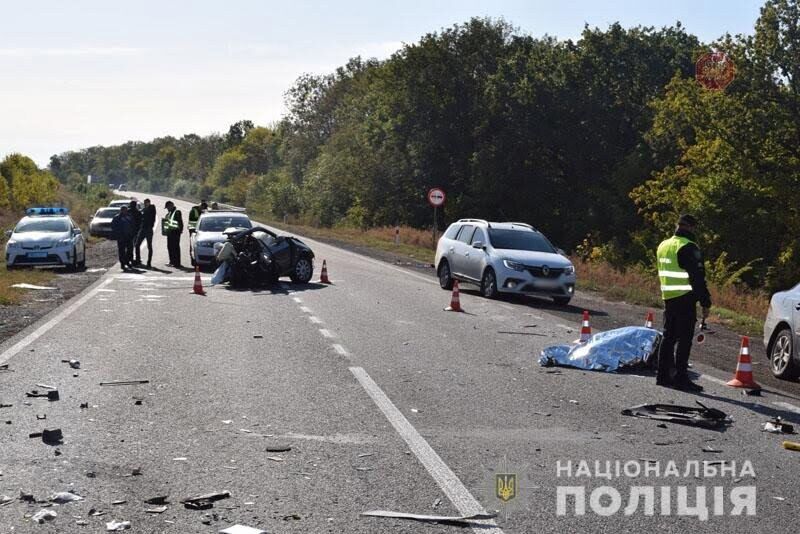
(674, 279)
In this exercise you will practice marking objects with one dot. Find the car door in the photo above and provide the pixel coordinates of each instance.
(474, 258)
(793, 304)
(461, 251)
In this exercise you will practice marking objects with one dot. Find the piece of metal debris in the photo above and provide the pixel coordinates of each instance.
(161, 499)
(158, 510)
(51, 395)
(124, 382)
(118, 502)
(430, 518)
(278, 447)
(686, 415)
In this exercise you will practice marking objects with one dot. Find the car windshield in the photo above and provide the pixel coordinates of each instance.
(42, 225)
(519, 240)
(107, 213)
(220, 224)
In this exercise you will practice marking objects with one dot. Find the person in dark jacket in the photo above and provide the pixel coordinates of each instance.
(122, 230)
(146, 230)
(683, 285)
(136, 217)
(172, 227)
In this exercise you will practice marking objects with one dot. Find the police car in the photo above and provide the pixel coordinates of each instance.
(46, 236)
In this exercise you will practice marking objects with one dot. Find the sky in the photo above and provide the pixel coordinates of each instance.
(85, 72)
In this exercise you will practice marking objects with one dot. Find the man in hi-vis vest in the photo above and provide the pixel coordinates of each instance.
(172, 227)
(683, 285)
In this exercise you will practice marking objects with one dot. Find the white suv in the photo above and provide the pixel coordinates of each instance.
(505, 257)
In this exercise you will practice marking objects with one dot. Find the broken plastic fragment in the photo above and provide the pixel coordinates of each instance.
(44, 515)
(65, 497)
(241, 529)
(115, 526)
(430, 518)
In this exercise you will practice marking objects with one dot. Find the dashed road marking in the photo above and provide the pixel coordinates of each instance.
(340, 350)
(315, 320)
(297, 300)
(326, 333)
(450, 484)
(305, 309)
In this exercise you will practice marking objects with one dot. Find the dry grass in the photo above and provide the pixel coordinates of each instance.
(740, 308)
(11, 295)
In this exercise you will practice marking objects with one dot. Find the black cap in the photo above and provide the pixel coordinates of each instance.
(168, 204)
(688, 220)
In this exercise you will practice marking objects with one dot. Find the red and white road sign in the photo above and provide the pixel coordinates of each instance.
(436, 197)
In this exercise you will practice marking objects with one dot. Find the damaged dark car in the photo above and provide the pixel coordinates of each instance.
(257, 257)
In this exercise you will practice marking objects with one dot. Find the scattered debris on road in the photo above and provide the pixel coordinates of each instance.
(205, 501)
(463, 519)
(278, 448)
(50, 437)
(75, 364)
(65, 497)
(51, 395)
(686, 415)
(124, 382)
(118, 502)
(623, 348)
(158, 510)
(777, 426)
(44, 515)
(241, 529)
(115, 526)
(161, 499)
(791, 446)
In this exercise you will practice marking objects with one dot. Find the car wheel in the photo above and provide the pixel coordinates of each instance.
(445, 279)
(82, 263)
(73, 267)
(781, 358)
(562, 301)
(302, 272)
(489, 284)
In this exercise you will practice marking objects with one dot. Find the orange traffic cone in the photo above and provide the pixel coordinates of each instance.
(586, 329)
(744, 369)
(455, 301)
(648, 322)
(323, 276)
(198, 285)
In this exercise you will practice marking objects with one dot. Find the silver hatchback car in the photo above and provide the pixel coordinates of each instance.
(504, 258)
(782, 333)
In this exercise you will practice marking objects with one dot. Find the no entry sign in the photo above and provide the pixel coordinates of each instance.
(436, 197)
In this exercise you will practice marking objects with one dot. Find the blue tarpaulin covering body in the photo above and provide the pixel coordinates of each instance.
(621, 348)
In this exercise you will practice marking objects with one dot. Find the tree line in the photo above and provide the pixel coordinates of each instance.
(599, 142)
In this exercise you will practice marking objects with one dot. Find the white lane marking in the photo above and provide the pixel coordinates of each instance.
(297, 300)
(450, 484)
(305, 309)
(165, 279)
(39, 332)
(315, 320)
(326, 333)
(340, 350)
(787, 406)
(106, 290)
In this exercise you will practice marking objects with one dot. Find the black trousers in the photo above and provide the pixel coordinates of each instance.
(680, 316)
(174, 248)
(124, 251)
(145, 235)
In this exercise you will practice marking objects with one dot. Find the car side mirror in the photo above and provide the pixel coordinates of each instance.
(477, 244)
(9, 232)
(76, 231)
(561, 251)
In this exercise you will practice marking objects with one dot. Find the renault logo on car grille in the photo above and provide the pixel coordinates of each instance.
(545, 270)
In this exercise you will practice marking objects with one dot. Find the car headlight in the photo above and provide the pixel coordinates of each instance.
(514, 265)
(569, 269)
(13, 244)
(65, 242)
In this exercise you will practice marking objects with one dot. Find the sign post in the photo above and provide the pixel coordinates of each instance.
(436, 198)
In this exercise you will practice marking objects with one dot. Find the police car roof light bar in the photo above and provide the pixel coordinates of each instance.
(45, 210)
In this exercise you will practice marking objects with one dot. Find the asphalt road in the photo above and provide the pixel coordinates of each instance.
(387, 403)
